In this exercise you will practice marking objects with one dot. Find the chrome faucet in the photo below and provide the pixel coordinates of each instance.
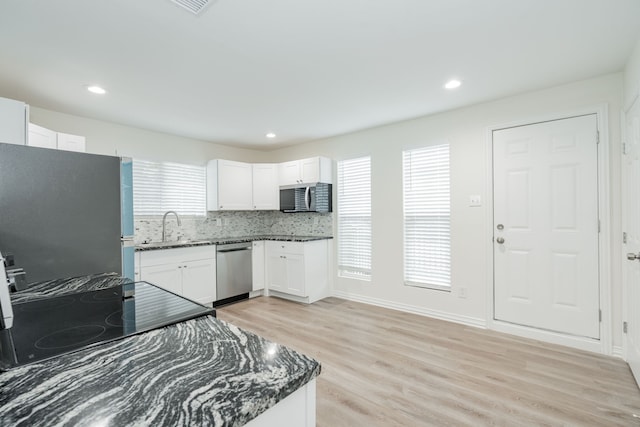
(164, 223)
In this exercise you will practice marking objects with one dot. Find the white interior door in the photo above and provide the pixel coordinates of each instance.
(632, 229)
(546, 226)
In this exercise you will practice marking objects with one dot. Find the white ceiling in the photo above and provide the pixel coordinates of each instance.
(304, 69)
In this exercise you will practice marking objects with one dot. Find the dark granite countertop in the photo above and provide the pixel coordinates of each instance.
(199, 372)
(225, 240)
(74, 285)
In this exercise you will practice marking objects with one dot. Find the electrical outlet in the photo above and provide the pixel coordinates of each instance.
(462, 292)
(316, 221)
(218, 222)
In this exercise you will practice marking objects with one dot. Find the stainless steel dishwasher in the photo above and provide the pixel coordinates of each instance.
(234, 278)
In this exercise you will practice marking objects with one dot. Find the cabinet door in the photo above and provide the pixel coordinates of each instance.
(234, 186)
(258, 265)
(41, 137)
(295, 275)
(13, 121)
(266, 192)
(289, 173)
(71, 142)
(310, 170)
(166, 276)
(199, 280)
(276, 271)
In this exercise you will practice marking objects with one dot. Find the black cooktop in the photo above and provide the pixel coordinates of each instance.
(53, 326)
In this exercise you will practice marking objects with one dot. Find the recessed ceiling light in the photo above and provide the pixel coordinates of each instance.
(452, 84)
(96, 89)
(270, 135)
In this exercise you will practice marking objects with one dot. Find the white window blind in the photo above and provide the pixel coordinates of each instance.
(161, 187)
(354, 218)
(427, 213)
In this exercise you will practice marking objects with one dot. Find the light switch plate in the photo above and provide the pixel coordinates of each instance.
(475, 200)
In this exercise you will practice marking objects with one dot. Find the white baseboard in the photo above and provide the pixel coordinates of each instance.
(456, 318)
(581, 343)
(617, 351)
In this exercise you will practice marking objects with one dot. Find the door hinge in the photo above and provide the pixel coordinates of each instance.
(597, 137)
(598, 226)
(624, 148)
(625, 327)
(599, 315)
(624, 237)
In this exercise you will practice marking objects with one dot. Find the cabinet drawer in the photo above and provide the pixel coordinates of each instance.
(287, 247)
(176, 255)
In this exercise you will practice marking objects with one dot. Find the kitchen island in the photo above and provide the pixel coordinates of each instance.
(202, 371)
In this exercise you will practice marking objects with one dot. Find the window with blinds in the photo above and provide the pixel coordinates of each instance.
(162, 187)
(354, 218)
(427, 217)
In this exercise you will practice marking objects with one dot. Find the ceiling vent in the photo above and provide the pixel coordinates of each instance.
(193, 6)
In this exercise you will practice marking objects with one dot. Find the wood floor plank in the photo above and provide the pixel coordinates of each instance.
(384, 367)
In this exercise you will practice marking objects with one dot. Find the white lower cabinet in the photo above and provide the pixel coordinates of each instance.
(257, 265)
(298, 270)
(190, 272)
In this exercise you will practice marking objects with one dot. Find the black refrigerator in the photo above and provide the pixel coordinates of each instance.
(60, 212)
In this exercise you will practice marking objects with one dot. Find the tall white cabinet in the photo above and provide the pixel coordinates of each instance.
(14, 117)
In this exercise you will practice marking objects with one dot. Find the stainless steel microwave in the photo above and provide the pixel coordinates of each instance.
(312, 198)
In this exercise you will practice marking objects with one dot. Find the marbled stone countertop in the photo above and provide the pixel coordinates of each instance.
(198, 372)
(224, 240)
(59, 287)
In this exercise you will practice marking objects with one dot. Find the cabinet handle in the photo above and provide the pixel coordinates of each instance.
(179, 266)
(220, 206)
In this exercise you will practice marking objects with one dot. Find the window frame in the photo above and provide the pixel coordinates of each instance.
(159, 187)
(360, 173)
(429, 242)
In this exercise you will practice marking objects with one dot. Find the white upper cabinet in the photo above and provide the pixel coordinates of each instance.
(42, 137)
(14, 116)
(71, 142)
(266, 193)
(305, 171)
(229, 186)
(46, 138)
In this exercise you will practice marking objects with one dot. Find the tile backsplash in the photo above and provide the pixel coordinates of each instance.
(233, 224)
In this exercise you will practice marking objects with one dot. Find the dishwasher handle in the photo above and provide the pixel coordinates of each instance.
(233, 247)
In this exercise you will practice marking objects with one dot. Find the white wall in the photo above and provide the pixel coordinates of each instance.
(112, 139)
(632, 76)
(466, 130)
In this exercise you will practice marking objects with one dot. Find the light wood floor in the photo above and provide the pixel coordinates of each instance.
(382, 367)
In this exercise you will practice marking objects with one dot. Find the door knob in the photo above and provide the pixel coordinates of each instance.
(633, 257)
(500, 240)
